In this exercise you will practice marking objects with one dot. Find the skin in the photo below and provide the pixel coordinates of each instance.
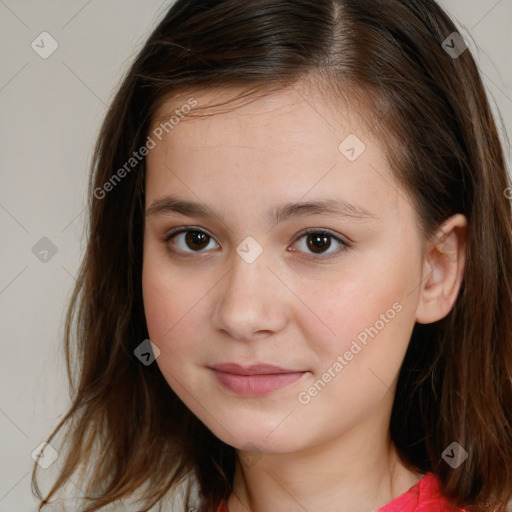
(287, 308)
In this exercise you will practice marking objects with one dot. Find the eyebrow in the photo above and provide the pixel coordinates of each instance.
(172, 204)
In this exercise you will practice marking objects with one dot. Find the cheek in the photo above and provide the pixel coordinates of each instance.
(156, 292)
(175, 303)
(158, 307)
(359, 355)
(343, 305)
(163, 313)
(164, 294)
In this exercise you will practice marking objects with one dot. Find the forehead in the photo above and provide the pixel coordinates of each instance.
(302, 114)
(288, 143)
(309, 96)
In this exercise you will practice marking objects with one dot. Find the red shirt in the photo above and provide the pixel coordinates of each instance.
(421, 497)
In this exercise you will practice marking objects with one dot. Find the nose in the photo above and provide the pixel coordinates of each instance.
(251, 301)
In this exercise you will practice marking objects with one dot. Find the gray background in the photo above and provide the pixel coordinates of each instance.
(50, 111)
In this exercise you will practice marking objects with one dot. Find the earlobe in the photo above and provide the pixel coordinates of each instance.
(443, 270)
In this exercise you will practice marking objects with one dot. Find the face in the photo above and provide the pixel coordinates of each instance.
(280, 327)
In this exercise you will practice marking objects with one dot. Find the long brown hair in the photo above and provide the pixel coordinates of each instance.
(430, 108)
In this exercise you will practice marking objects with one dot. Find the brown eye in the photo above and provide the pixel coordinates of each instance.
(318, 242)
(196, 239)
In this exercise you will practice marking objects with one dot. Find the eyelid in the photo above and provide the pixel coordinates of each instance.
(340, 238)
(179, 229)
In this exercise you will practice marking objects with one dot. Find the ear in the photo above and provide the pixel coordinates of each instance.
(443, 270)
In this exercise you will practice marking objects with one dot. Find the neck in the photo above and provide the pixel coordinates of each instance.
(357, 472)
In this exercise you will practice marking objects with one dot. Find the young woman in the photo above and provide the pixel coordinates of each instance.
(296, 292)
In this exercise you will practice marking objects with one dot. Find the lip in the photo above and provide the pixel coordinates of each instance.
(255, 380)
(253, 369)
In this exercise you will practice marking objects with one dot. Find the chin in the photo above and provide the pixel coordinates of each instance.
(253, 435)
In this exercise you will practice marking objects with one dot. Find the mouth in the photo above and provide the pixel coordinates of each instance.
(255, 380)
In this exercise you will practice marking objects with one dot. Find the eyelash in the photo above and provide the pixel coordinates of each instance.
(319, 231)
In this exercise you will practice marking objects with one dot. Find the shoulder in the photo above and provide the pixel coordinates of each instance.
(422, 497)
